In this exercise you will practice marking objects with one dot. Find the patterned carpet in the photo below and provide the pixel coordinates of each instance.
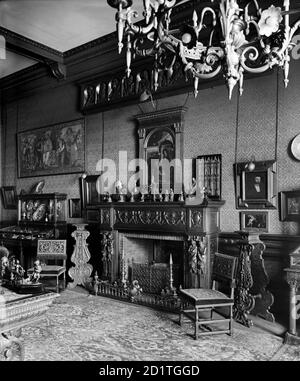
(79, 327)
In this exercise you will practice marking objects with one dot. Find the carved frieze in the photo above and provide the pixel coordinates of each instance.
(171, 217)
(197, 218)
(119, 88)
(105, 216)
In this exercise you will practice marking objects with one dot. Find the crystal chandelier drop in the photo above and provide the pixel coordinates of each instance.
(224, 37)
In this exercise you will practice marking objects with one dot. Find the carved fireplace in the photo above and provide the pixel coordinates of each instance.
(159, 240)
(137, 240)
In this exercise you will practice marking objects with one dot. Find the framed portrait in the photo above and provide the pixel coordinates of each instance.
(75, 208)
(9, 197)
(256, 189)
(289, 205)
(52, 150)
(254, 221)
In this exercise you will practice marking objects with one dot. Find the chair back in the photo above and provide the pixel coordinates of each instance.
(52, 249)
(224, 269)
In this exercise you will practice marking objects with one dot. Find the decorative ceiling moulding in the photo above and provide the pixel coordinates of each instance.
(17, 42)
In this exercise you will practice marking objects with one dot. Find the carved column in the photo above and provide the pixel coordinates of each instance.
(196, 253)
(263, 298)
(293, 279)
(82, 271)
(243, 301)
(107, 253)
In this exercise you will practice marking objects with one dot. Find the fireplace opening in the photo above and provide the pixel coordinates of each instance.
(157, 264)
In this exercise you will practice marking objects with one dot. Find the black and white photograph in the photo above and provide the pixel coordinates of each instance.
(150, 186)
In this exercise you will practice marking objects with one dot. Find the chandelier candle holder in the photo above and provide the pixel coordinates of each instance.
(225, 37)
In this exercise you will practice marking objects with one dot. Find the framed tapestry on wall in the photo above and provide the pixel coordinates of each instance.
(52, 150)
(256, 189)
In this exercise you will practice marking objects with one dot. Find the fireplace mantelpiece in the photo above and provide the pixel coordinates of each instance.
(192, 223)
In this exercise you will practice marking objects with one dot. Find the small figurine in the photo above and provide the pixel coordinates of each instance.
(166, 195)
(181, 197)
(19, 270)
(109, 197)
(193, 187)
(118, 186)
(171, 195)
(37, 269)
(160, 197)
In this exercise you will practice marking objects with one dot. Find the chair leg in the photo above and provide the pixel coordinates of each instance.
(64, 285)
(57, 285)
(230, 322)
(196, 324)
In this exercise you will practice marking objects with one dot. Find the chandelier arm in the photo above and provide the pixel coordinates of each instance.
(142, 29)
(252, 57)
(165, 37)
(201, 25)
(253, 22)
(290, 34)
(207, 75)
(258, 10)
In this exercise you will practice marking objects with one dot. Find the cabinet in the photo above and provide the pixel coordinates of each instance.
(47, 208)
(39, 216)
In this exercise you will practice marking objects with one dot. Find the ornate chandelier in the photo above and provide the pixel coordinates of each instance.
(222, 37)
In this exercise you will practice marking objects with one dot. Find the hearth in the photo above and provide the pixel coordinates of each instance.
(152, 260)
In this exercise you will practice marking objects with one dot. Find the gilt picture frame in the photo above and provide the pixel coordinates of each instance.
(257, 188)
(9, 197)
(75, 210)
(289, 205)
(254, 221)
(52, 150)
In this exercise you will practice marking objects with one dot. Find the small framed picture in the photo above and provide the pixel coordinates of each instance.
(256, 189)
(75, 208)
(290, 205)
(9, 197)
(254, 221)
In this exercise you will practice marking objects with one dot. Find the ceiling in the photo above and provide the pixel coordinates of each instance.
(59, 24)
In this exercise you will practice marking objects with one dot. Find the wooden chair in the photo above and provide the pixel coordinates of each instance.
(53, 250)
(217, 305)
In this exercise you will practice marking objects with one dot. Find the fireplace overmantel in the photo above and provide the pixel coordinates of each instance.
(172, 217)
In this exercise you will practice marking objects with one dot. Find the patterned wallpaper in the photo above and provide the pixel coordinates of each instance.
(210, 125)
